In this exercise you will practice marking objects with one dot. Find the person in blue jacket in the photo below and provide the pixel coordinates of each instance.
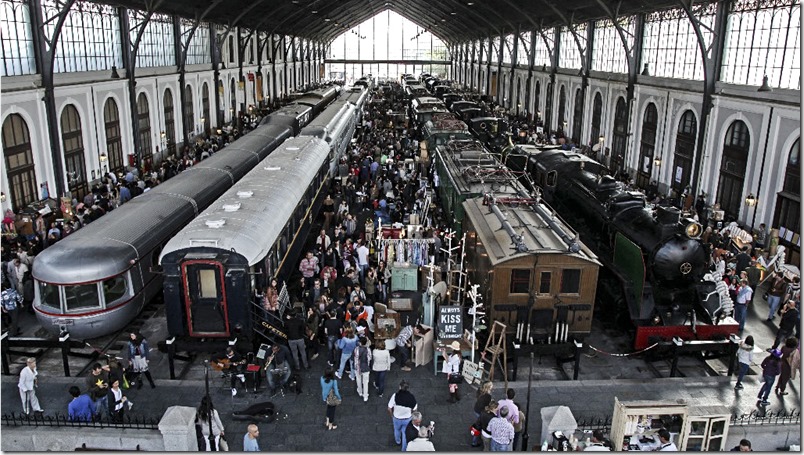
(81, 408)
(330, 383)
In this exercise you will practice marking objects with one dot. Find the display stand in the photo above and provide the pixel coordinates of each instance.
(635, 424)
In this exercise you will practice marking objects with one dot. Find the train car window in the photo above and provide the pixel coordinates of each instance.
(114, 289)
(207, 284)
(81, 297)
(544, 282)
(49, 295)
(520, 281)
(570, 281)
(552, 177)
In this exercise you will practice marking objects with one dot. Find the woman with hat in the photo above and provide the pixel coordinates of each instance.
(451, 367)
(771, 367)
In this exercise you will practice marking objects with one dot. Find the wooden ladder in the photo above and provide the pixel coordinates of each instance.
(495, 345)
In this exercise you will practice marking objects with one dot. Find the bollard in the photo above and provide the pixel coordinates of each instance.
(64, 340)
(677, 343)
(517, 350)
(577, 366)
(171, 352)
(734, 345)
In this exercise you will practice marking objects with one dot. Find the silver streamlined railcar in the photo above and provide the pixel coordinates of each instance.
(99, 278)
(253, 232)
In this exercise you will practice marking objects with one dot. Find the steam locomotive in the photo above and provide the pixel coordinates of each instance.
(654, 257)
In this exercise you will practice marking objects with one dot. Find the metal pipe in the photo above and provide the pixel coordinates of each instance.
(517, 239)
(549, 217)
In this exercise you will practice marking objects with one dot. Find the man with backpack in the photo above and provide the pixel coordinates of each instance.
(362, 364)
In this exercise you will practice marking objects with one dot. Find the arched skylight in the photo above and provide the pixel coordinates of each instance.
(387, 46)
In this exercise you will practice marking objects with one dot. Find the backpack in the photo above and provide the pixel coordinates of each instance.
(362, 355)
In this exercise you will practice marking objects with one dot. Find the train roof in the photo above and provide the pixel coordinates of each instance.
(323, 125)
(250, 216)
(473, 170)
(537, 235)
(111, 244)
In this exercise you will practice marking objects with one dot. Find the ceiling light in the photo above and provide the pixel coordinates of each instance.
(453, 13)
(470, 3)
(326, 19)
(314, 11)
(443, 20)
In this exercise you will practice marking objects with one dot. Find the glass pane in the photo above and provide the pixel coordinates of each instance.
(698, 427)
(520, 281)
(717, 427)
(570, 281)
(83, 296)
(207, 283)
(49, 296)
(114, 289)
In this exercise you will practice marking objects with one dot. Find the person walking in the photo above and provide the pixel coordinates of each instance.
(11, 302)
(422, 443)
(209, 420)
(771, 367)
(791, 361)
(250, 443)
(381, 366)
(138, 358)
(745, 355)
(744, 296)
(451, 368)
(27, 385)
(330, 395)
(294, 326)
(362, 365)
(400, 407)
(788, 323)
(775, 293)
(347, 345)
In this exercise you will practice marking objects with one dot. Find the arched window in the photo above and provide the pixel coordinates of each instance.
(788, 201)
(548, 108)
(732, 169)
(536, 105)
(170, 124)
(597, 112)
(562, 110)
(577, 117)
(144, 127)
(18, 153)
(114, 144)
(685, 151)
(205, 105)
(233, 94)
(231, 49)
(647, 146)
(189, 115)
(72, 140)
(619, 134)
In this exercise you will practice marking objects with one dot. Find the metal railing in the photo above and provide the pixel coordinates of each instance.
(768, 418)
(594, 423)
(61, 420)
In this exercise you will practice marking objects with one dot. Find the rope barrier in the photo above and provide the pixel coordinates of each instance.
(623, 355)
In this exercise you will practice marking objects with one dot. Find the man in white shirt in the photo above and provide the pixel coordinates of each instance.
(665, 442)
(27, 386)
(597, 443)
(422, 443)
(362, 259)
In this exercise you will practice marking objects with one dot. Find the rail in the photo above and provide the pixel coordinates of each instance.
(768, 418)
(61, 420)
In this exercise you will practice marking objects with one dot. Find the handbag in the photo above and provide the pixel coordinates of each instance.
(454, 378)
(332, 399)
(139, 364)
(223, 445)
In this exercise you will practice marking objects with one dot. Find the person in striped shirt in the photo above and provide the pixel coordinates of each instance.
(502, 432)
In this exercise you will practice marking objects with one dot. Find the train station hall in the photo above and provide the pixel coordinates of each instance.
(400, 225)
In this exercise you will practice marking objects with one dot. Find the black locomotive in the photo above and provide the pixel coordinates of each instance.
(654, 257)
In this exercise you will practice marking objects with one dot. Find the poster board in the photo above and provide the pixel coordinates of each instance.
(450, 322)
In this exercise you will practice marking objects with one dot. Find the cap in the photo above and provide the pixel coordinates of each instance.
(456, 345)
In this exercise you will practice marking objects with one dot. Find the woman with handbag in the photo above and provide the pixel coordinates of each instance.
(330, 395)
(208, 419)
(138, 359)
(451, 367)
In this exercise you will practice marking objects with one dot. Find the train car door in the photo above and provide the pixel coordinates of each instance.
(205, 298)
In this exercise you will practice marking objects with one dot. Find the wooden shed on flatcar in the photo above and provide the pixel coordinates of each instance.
(534, 273)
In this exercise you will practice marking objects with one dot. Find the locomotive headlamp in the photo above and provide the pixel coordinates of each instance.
(693, 229)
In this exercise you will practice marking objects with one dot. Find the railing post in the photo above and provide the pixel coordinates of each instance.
(577, 366)
(4, 348)
(677, 343)
(64, 339)
(734, 345)
(171, 353)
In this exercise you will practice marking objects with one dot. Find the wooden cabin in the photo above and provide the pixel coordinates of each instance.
(534, 274)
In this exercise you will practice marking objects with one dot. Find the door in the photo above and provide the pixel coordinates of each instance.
(205, 298)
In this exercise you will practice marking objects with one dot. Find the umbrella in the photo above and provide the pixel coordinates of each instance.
(557, 418)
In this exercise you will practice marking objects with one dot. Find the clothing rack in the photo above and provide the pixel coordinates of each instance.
(414, 251)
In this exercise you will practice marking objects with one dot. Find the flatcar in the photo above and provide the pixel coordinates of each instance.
(253, 233)
(655, 256)
(99, 278)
